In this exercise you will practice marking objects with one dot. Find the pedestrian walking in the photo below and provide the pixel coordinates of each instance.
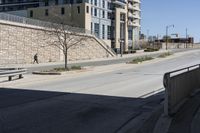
(35, 59)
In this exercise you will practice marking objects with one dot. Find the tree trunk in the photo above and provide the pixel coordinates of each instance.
(66, 68)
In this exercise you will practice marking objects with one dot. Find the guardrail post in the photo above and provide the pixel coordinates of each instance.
(166, 81)
(20, 76)
(9, 78)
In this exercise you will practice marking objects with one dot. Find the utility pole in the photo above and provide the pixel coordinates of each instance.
(167, 27)
(186, 38)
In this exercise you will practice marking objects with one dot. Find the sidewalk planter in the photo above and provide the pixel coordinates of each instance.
(151, 49)
(46, 73)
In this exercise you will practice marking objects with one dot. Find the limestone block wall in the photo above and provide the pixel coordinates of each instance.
(20, 42)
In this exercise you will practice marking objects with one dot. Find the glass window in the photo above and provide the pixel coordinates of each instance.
(103, 4)
(96, 28)
(46, 12)
(109, 15)
(87, 9)
(95, 12)
(62, 10)
(95, 2)
(78, 9)
(109, 32)
(56, 2)
(31, 13)
(91, 11)
(103, 31)
(103, 14)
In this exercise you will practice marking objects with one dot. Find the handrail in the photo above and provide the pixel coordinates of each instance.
(168, 74)
(186, 68)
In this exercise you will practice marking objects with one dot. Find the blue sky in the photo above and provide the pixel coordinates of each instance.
(157, 14)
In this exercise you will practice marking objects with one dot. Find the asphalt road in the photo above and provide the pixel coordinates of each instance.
(25, 110)
(136, 81)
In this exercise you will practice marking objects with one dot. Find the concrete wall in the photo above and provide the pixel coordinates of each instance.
(176, 45)
(178, 87)
(19, 43)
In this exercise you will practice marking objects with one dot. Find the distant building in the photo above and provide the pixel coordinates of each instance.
(177, 40)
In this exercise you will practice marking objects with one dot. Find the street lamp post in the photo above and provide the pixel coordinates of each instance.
(121, 46)
(167, 27)
(186, 38)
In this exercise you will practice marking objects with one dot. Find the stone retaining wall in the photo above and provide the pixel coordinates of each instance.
(20, 42)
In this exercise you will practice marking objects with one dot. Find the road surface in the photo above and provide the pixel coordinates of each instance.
(125, 80)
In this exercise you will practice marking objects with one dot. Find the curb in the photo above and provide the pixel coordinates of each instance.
(46, 73)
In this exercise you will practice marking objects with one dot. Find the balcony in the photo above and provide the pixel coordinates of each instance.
(130, 6)
(130, 23)
(136, 8)
(136, 24)
(137, 1)
(136, 16)
(130, 15)
(120, 2)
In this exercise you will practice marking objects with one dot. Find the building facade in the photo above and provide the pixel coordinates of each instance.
(117, 22)
(17, 5)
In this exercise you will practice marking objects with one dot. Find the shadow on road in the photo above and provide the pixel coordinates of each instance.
(29, 111)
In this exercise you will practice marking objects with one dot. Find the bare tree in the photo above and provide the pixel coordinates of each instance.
(63, 36)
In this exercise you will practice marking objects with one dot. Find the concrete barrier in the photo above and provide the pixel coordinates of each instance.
(179, 85)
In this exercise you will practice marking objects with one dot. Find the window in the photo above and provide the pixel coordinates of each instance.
(95, 12)
(56, 2)
(78, 9)
(62, 10)
(46, 12)
(109, 32)
(87, 8)
(96, 28)
(122, 17)
(109, 5)
(103, 31)
(109, 15)
(130, 35)
(46, 3)
(103, 4)
(31, 13)
(95, 2)
(103, 14)
(91, 27)
(78, 1)
(91, 11)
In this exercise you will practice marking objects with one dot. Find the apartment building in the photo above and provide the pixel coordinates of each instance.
(109, 20)
(17, 5)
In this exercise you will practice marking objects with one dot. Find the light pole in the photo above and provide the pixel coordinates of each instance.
(186, 38)
(121, 46)
(167, 27)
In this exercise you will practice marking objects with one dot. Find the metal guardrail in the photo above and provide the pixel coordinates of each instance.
(11, 72)
(24, 20)
(179, 85)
